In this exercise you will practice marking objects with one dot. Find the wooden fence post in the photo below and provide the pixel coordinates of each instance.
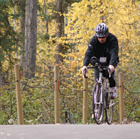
(56, 95)
(18, 95)
(121, 100)
(85, 98)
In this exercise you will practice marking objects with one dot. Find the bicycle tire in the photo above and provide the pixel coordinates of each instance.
(109, 109)
(97, 105)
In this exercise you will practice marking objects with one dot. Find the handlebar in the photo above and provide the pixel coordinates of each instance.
(101, 67)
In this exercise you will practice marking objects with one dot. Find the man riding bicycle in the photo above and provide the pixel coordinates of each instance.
(104, 46)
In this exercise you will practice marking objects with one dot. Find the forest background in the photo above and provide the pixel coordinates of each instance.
(39, 34)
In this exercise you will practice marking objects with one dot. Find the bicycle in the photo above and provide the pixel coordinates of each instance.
(101, 95)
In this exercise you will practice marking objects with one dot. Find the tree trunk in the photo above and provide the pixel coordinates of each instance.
(46, 16)
(30, 38)
(22, 31)
(59, 32)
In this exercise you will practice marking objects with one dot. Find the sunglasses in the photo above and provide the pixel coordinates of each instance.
(102, 37)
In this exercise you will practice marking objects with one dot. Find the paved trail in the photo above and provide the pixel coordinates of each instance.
(70, 131)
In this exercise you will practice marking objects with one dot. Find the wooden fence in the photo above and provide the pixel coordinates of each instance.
(57, 97)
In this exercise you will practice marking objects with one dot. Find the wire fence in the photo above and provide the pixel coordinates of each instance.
(33, 92)
(43, 86)
(133, 92)
(41, 96)
(131, 104)
(131, 98)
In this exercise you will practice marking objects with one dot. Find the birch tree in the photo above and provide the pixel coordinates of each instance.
(30, 38)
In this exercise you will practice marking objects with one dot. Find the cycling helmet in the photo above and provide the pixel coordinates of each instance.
(101, 30)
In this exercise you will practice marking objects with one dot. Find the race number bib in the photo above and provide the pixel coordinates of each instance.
(103, 59)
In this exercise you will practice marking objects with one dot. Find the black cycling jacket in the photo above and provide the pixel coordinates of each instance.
(108, 49)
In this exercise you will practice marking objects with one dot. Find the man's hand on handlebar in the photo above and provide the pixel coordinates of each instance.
(111, 67)
(84, 70)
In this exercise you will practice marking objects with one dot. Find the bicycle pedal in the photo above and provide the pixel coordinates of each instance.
(111, 104)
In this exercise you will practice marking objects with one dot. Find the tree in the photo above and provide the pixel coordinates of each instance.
(45, 11)
(21, 11)
(59, 32)
(7, 41)
(29, 59)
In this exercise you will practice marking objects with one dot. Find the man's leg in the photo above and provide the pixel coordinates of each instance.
(112, 81)
(113, 85)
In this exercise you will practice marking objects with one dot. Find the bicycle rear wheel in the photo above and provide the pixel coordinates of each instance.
(109, 109)
(97, 103)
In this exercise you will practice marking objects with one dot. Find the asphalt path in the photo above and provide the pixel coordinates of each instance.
(70, 131)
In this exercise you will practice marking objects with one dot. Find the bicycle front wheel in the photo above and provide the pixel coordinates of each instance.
(97, 103)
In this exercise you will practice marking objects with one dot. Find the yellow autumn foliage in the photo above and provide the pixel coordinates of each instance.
(123, 20)
(120, 16)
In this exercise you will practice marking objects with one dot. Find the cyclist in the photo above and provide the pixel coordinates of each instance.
(104, 46)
